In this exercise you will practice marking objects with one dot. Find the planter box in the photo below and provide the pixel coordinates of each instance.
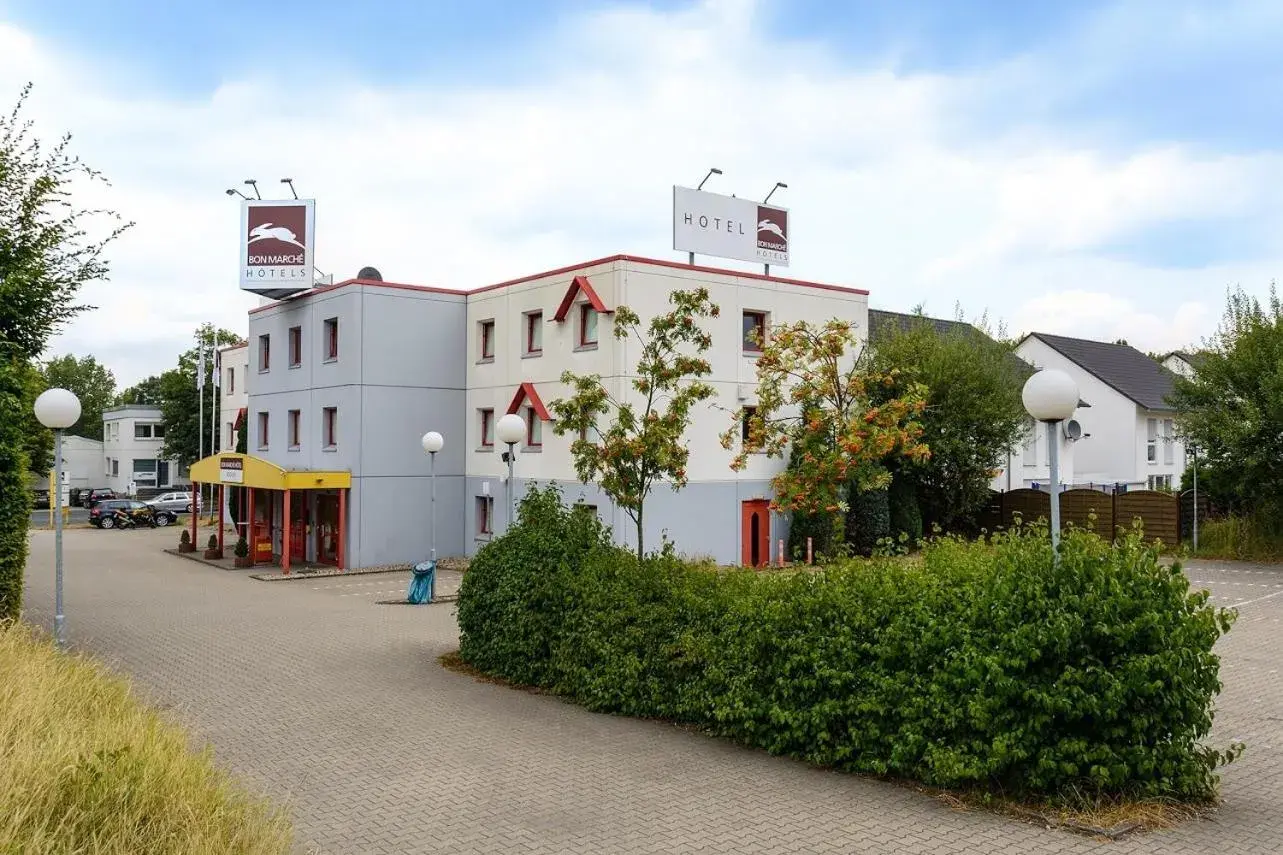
(213, 553)
(244, 561)
(186, 547)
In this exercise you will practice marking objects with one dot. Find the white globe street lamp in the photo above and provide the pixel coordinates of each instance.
(432, 443)
(511, 429)
(58, 410)
(1051, 396)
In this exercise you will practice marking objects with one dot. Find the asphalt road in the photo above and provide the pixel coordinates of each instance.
(43, 518)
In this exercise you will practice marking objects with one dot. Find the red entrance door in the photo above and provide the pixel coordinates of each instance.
(327, 528)
(298, 527)
(261, 539)
(755, 533)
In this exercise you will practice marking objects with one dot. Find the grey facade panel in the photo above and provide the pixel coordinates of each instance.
(391, 522)
(395, 419)
(414, 339)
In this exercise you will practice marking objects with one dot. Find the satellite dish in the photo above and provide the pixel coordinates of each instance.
(371, 273)
(1073, 430)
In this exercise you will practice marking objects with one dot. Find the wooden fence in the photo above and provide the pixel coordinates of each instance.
(1164, 516)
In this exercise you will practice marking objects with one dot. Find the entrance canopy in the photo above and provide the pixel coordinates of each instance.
(242, 470)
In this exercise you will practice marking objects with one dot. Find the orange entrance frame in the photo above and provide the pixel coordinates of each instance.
(228, 469)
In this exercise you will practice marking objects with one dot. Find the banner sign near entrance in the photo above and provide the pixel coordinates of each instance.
(727, 227)
(231, 470)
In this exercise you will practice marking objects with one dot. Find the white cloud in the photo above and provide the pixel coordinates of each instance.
(465, 186)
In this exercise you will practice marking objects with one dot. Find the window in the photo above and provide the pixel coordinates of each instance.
(231, 381)
(293, 428)
(487, 427)
(106, 432)
(486, 340)
(115, 468)
(262, 430)
(584, 506)
(158, 431)
(147, 430)
(485, 514)
(296, 346)
(754, 331)
(264, 352)
(331, 339)
(534, 429)
(534, 334)
(1031, 443)
(583, 434)
(107, 467)
(330, 426)
(745, 421)
(230, 442)
(587, 326)
(1160, 482)
(1151, 440)
(1169, 442)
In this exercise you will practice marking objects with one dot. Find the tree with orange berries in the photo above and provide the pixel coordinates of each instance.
(643, 443)
(814, 396)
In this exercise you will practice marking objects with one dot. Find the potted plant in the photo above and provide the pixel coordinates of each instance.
(211, 548)
(185, 542)
(241, 551)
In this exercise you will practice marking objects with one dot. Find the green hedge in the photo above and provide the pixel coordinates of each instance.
(978, 666)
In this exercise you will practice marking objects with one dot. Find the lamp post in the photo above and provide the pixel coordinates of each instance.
(1051, 396)
(510, 430)
(432, 443)
(57, 409)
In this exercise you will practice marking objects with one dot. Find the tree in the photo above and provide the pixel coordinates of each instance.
(145, 391)
(643, 442)
(1232, 409)
(91, 381)
(180, 402)
(46, 255)
(973, 418)
(814, 394)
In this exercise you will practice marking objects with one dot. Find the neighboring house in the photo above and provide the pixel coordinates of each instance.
(1129, 431)
(133, 435)
(82, 464)
(233, 392)
(1182, 362)
(347, 378)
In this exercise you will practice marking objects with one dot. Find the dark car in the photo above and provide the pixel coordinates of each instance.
(103, 514)
(89, 498)
(40, 499)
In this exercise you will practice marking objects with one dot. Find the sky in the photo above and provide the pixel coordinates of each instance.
(1097, 169)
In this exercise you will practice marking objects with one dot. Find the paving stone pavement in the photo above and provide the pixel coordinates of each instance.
(337, 707)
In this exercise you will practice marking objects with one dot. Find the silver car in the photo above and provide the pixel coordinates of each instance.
(178, 503)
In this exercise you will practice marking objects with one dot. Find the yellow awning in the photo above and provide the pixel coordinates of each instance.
(242, 470)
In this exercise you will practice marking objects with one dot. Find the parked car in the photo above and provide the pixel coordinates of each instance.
(178, 502)
(89, 498)
(103, 514)
(40, 499)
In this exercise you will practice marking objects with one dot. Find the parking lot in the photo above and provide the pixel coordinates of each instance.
(336, 706)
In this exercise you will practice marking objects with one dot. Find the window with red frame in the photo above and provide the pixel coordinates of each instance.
(587, 325)
(295, 418)
(754, 331)
(264, 352)
(262, 430)
(332, 338)
(534, 428)
(487, 428)
(534, 333)
(487, 339)
(330, 426)
(485, 514)
(296, 346)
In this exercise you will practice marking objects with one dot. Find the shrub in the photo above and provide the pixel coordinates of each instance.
(1242, 538)
(978, 666)
(241, 550)
(868, 520)
(514, 597)
(185, 538)
(212, 543)
(826, 530)
(87, 768)
(904, 510)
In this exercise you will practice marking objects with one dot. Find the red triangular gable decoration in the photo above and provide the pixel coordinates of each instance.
(526, 392)
(240, 419)
(577, 285)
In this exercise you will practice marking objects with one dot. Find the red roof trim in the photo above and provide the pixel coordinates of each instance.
(526, 391)
(397, 286)
(578, 284)
(610, 259)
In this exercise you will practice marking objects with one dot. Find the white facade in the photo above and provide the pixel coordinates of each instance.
(1030, 465)
(706, 515)
(133, 435)
(81, 464)
(1178, 363)
(233, 391)
(1123, 442)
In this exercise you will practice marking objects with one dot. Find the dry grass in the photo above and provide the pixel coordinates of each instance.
(1110, 818)
(85, 767)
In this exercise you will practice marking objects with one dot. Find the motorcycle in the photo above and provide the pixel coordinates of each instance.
(125, 520)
